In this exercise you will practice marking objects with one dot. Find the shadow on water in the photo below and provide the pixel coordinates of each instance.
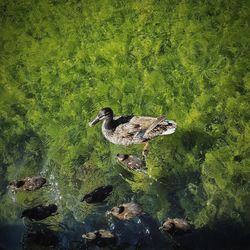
(173, 187)
(140, 233)
(197, 141)
(10, 236)
(39, 236)
(223, 235)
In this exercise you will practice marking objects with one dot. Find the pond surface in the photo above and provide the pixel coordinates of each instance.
(62, 61)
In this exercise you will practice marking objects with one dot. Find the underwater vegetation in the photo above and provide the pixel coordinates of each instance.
(62, 61)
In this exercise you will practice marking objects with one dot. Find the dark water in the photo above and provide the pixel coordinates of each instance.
(62, 61)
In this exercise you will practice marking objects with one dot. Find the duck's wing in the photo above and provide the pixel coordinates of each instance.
(135, 126)
(105, 234)
(154, 124)
(144, 121)
(28, 186)
(127, 130)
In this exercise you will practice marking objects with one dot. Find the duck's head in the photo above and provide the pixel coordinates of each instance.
(117, 210)
(39, 181)
(104, 114)
(90, 236)
(16, 184)
(52, 208)
(26, 213)
(167, 227)
(87, 198)
(122, 157)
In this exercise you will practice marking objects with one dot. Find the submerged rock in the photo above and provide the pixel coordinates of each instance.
(132, 162)
(100, 238)
(176, 226)
(39, 212)
(28, 184)
(98, 195)
(126, 211)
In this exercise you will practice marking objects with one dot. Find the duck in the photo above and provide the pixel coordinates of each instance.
(98, 195)
(100, 238)
(39, 212)
(126, 211)
(132, 162)
(130, 129)
(176, 226)
(28, 184)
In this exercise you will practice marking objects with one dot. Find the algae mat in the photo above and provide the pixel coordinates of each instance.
(61, 61)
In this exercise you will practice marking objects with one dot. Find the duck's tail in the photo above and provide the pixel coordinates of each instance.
(170, 127)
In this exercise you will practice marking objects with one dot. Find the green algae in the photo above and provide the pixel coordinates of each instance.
(61, 61)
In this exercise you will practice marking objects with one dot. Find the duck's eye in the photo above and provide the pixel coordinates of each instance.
(107, 114)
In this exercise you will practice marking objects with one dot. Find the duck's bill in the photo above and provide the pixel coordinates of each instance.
(92, 123)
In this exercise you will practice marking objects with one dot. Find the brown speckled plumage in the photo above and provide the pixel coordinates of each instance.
(126, 211)
(28, 184)
(132, 162)
(126, 130)
(176, 226)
